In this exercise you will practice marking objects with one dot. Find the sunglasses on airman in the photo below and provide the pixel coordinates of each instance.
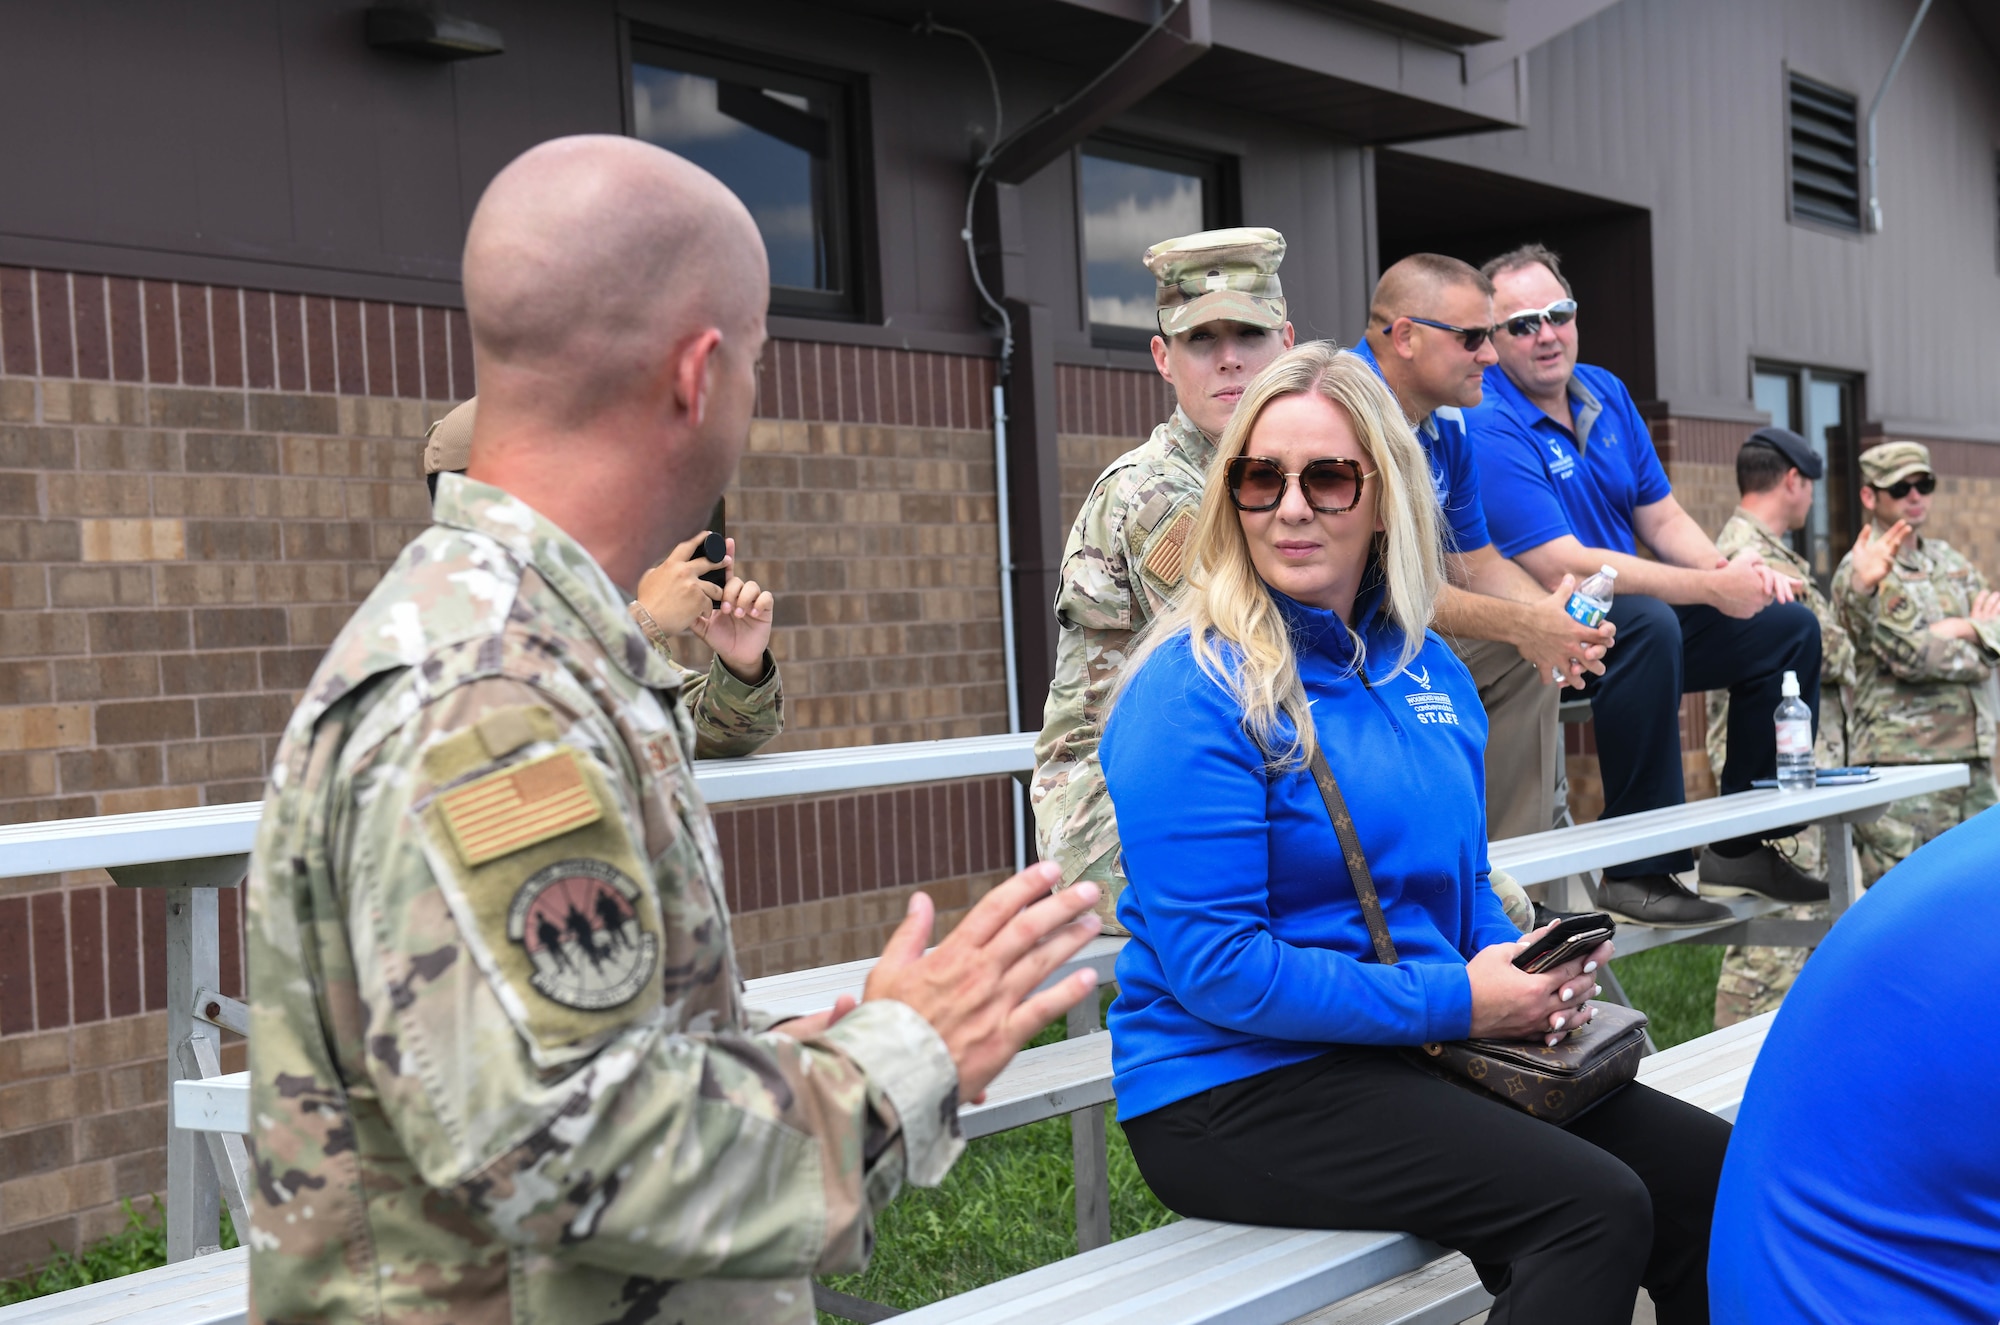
(1331, 486)
(1471, 337)
(1926, 484)
(1528, 322)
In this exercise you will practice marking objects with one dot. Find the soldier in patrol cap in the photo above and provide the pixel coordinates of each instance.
(737, 705)
(1776, 470)
(1221, 317)
(1925, 642)
(501, 1063)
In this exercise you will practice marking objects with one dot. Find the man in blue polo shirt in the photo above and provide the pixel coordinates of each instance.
(1430, 339)
(1571, 483)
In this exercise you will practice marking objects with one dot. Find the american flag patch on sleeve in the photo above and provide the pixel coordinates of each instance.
(518, 807)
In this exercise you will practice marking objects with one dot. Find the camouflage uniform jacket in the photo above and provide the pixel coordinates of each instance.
(1918, 698)
(1836, 650)
(501, 1068)
(1121, 565)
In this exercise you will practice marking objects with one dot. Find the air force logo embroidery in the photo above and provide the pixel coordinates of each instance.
(1561, 463)
(1433, 707)
(579, 922)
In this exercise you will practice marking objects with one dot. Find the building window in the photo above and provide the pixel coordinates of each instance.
(1826, 172)
(783, 141)
(1132, 198)
(1820, 406)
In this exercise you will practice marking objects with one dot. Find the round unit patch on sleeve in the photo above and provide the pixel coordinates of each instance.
(578, 922)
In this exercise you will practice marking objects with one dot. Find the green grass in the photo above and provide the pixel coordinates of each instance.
(140, 1245)
(1674, 985)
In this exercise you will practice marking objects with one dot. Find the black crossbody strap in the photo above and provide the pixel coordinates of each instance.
(1357, 860)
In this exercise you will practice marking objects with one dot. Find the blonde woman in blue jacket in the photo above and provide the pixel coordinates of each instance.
(1255, 1037)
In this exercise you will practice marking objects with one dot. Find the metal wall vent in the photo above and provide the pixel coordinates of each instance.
(1826, 172)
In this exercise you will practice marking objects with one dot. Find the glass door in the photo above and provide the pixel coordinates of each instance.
(1820, 405)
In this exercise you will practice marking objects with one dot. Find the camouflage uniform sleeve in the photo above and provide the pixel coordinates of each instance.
(1894, 626)
(732, 717)
(575, 1107)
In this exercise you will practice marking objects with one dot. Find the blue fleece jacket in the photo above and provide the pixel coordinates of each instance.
(1249, 951)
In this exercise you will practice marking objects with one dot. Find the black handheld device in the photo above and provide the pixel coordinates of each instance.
(714, 548)
(1568, 940)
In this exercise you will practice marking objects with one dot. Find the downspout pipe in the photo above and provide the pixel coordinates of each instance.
(1874, 185)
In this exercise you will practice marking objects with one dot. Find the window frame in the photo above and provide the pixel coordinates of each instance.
(849, 220)
(1842, 481)
(1219, 205)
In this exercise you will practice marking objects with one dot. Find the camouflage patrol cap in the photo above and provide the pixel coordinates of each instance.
(1891, 462)
(1219, 275)
(448, 443)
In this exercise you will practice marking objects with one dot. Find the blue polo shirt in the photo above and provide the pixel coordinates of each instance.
(1452, 468)
(1540, 480)
(1863, 1177)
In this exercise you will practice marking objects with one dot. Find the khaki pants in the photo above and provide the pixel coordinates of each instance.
(1523, 739)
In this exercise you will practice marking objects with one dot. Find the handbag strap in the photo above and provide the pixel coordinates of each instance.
(1357, 860)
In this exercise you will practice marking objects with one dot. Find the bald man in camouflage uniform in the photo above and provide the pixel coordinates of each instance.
(1221, 316)
(501, 1066)
(1925, 642)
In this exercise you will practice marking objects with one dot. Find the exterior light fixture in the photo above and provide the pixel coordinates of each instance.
(430, 33)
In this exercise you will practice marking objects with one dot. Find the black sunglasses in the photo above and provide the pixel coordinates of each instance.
(1472, 337)
(1330, 486)
(1527, 324)
(1899, 490)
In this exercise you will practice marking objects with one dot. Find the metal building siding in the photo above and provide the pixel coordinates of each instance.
(1679, 106)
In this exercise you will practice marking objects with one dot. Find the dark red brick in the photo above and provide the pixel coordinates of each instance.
(409, 350)
(437, 354)
(810, 406)
(462, 385)
(785, 837)
(725, 851)
(121, 937)
(381, 350)
(17, 987)
(18, 351)
(260, 364)
(229, 940)
(191, 310)
(128, 332)
(52, 309)
(153, 911)
(163, 350)
(348, 357)
(288, 338)
(93, 333)
(225, 316)
(764, 863)
(51, 947)
(319, 344)
(86, 953)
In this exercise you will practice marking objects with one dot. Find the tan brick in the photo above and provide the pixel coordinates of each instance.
(93, 402)
(116, 676)
(149, 798)
(145, 720)
(37, 448)
(100, 494)
(22, 1249)
(108, 1134)
(24, 683)
(50, 1099)
(101, 586)
(26, 775)
(121, 1040)
(48, 1195)
(124, 448)
(213, 496)
(134, 540)
(17, 402)
(132, 1084)
(216, 410)
(44, 728)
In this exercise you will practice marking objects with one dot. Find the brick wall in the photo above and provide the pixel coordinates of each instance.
(197, 485)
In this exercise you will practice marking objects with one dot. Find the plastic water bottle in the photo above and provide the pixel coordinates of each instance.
(1795, 739)
(1591, 601)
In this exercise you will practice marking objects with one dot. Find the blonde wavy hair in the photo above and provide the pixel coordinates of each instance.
(1238, 635)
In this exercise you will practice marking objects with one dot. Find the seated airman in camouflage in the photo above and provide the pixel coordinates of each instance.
(1221, 316)
(1925, 642)
(1776, 470)
(500, 1062)
(737, 705)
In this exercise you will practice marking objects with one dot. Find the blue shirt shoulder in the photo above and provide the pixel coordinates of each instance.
(1454, 469)
(1542, 480)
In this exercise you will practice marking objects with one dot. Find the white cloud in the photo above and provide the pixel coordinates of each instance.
(672, 109)
(1116, 311)
(1130, 227)
(791, 222)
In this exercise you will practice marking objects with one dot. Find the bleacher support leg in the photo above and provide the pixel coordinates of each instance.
(1087, 1150)
(193, 1195)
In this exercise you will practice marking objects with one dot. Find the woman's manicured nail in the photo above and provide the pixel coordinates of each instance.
(1568, 994)
(1560, 1022)
(1588, 967)
(1595, 990)
(1553, 1039)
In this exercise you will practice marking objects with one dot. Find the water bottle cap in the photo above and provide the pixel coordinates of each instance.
(1791, 685)
(1611, 571)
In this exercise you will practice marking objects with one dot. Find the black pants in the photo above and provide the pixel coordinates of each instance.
(1564, 1224)
(1664, 652)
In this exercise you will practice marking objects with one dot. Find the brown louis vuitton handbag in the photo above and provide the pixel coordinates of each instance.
(1553, 1083)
